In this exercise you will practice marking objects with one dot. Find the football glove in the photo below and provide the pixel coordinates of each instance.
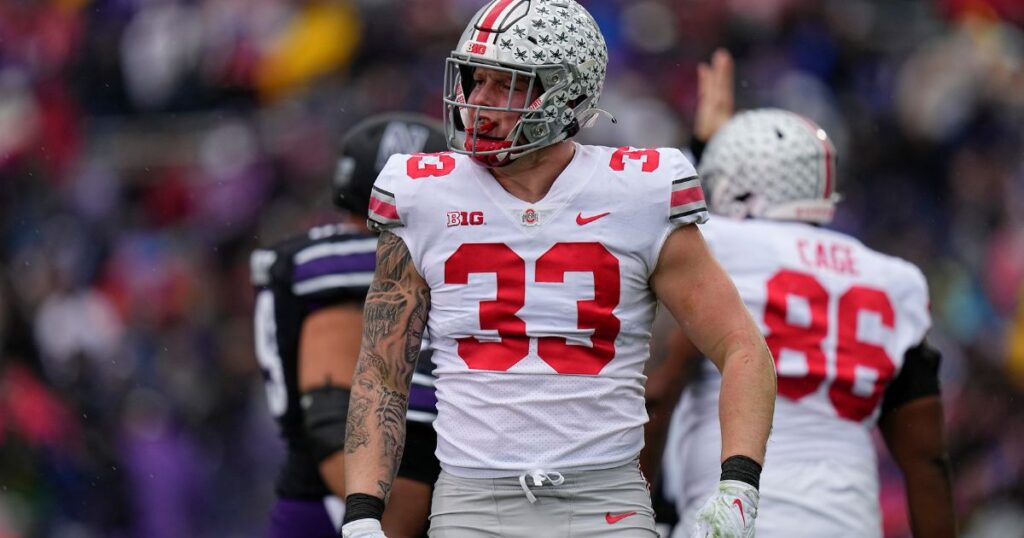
(729, 513)
(362, 528)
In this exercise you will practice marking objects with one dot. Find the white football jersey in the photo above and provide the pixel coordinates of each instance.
(838, 318)
(540, 313)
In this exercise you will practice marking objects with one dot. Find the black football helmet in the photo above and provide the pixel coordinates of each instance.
(369, 145)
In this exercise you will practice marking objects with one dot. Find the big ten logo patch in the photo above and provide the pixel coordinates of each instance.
(424, 165)
(465, 218)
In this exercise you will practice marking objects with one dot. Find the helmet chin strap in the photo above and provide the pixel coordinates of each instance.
(817, 211)
(497, 160)
(474, 144)
(491, 160)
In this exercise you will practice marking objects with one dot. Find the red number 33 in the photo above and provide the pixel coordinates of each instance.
(501, 314)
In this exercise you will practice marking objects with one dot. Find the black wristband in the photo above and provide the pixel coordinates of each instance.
(743, 469)
(363, 506)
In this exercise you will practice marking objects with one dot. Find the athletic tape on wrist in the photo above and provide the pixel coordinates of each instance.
(743, 469)
(363, 506)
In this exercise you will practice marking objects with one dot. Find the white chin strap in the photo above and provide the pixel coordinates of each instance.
(817, 211)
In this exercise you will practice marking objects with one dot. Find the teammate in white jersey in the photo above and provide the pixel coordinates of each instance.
(536, 263)
(846, 326)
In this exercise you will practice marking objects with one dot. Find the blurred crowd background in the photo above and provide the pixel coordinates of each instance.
(146, 146)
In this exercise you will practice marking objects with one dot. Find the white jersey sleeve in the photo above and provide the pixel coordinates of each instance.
(676, 192)
(383, 213)
(686, 201)
(910, 291)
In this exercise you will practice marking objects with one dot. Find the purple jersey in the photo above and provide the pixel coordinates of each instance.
(326, 266)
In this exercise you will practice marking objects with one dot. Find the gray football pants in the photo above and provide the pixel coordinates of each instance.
(601, 503)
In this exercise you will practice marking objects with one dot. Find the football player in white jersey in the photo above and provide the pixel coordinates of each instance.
(536, 263)
(845, 324)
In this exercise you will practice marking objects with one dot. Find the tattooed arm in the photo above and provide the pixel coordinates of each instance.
(393, 320)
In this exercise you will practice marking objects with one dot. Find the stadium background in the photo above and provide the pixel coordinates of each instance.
(146, 146)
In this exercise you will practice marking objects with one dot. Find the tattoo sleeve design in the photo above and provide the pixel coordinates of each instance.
(394, 316)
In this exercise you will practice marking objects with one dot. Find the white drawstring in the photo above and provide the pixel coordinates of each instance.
(539, 477)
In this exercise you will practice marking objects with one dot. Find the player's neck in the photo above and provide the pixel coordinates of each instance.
(530, 177)
(358, 222)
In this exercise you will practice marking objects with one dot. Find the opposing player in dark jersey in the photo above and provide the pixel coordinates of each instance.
(308, 323)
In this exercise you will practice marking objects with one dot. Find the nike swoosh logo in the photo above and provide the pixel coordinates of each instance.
(581, 220)
(619, 517)
(739, 504)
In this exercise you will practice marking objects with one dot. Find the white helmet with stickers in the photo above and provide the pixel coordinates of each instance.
(556, 46)
(771, 164)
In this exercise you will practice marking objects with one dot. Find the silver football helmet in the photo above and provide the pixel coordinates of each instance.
(556, 46)
(771, 164)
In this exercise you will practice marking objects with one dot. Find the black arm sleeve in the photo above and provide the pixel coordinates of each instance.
(918, 378)
(326, 412)
(697, 148)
